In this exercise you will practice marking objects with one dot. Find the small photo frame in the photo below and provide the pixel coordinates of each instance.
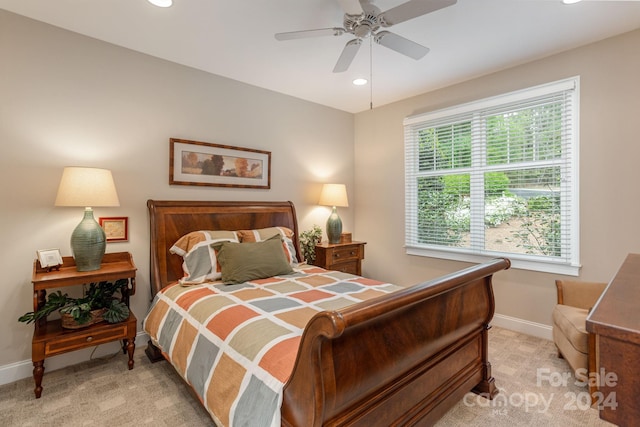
(49, 258)
(116, 228)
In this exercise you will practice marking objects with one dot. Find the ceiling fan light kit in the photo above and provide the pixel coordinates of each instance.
(363, 19)
(161, 3)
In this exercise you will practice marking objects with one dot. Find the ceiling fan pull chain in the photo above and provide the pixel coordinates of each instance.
(370, 73)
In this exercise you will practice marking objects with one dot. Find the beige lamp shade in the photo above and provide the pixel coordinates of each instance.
(89, 187)
(334, 195)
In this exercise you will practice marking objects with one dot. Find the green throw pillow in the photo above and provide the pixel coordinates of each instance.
(241, 262)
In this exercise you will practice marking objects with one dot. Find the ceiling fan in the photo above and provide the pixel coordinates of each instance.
(363, 19)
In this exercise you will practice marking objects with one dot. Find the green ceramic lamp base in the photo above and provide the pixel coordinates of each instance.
(334, 227)
(88, 243)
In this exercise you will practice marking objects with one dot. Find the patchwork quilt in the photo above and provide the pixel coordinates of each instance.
(235, 345)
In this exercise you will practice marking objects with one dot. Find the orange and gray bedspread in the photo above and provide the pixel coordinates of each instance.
(235, 345)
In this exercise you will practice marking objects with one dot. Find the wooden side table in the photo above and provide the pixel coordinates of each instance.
(345, 257)
(49, 338)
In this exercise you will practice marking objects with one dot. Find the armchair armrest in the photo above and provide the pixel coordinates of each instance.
(579, 294)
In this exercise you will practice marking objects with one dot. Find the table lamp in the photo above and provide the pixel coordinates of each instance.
(334, 195)
(88, 187)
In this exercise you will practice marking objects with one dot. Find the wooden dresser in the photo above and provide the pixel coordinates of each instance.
(345, 257)
(615, 321)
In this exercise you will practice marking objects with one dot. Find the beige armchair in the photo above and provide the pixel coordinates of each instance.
(570, 336)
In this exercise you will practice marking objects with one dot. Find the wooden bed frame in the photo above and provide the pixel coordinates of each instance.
(401, 359)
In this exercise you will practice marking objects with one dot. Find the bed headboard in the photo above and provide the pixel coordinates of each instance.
(170, 220)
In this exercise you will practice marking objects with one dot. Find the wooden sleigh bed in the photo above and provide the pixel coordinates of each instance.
(402, 358)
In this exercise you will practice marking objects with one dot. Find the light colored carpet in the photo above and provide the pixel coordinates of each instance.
(104, 393)
(529, 375)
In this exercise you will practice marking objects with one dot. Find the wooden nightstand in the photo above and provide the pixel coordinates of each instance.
(49, 338)
(345, 257)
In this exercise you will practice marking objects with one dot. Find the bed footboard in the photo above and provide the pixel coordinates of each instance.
(400, 359)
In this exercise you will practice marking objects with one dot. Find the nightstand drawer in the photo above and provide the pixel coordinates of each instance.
(87, 338)
(347, 267)
(349, 253)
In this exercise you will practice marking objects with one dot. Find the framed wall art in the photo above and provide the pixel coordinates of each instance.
(116, 228)
(202, 163)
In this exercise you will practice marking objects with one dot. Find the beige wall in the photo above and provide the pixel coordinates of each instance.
(609, 172)
(66, 99)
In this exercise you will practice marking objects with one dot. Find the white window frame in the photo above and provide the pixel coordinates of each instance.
(569, 265)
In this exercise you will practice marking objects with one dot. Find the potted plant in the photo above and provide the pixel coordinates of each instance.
(308, 241)
(98, 303)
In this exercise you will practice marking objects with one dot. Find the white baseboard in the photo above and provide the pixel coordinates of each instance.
(19, 370)
(524, 326)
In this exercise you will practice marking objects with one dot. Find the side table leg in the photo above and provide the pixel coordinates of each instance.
(131, 347)
(38, 372)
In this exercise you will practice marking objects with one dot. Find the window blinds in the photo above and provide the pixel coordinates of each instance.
(496, 177)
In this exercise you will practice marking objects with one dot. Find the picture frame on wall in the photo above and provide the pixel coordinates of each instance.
(203, 163)
(116, 228)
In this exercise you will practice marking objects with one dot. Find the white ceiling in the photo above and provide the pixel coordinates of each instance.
(235, 39)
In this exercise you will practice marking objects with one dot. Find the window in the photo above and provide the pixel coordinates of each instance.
(497, 177)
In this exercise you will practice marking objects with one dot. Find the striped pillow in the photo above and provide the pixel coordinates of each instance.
(263, 234)
(199, 259)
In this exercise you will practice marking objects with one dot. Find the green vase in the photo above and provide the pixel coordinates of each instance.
(334, 227)
(88, 243)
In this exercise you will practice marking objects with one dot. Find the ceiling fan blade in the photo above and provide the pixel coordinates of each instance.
(412, 9)
(351, 7)
(309, 33)
(347, 55)
(401, 45)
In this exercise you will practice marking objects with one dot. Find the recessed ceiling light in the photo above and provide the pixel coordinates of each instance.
(570, 1)
(360, 82)
(161, 3)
